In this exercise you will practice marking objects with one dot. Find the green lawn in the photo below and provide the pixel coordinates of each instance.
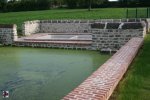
(101, 13)
(19, 17)
(136, 83)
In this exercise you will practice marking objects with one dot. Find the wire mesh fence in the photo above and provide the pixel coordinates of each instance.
(138, 13)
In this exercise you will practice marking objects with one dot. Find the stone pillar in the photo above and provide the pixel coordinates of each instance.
(30, 27)
(15, 36)
(8, 33)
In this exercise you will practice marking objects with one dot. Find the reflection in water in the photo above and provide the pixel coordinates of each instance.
(44, 74)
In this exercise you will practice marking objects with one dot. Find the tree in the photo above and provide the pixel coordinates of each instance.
(71, 3)
(95, 2)
(90, 5)
(3, 5)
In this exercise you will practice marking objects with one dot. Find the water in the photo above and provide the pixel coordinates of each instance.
(44, 74)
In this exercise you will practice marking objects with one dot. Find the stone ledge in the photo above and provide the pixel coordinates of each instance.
(101, 84)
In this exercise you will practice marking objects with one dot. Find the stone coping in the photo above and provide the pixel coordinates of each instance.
(58, 39)
(85, 20)
(58, 42)
(66, 33)
(101, 84)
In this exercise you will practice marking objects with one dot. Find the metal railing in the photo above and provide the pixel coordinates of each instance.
(138, 13)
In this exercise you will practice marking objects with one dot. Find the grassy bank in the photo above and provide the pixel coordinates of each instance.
(136, 83)
(100, 13)
(19, 17)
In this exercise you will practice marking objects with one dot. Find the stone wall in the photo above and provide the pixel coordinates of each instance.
(66, 26)
(107, 34)
(113, 39)
(8, 34)
(112, 36)
(55, 26)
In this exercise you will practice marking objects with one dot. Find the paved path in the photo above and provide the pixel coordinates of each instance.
(101, 84)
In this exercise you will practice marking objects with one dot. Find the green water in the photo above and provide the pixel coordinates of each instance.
(44, 74)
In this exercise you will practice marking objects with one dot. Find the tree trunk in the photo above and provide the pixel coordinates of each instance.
(89, 9)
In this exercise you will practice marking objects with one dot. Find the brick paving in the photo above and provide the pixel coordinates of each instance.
(101, 84)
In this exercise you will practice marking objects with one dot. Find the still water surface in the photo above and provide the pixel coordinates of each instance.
(44, 74)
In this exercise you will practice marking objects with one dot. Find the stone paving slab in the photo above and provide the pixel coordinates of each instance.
(101, 84)
(57, 39)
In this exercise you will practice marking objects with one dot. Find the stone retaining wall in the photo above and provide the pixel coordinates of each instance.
(55, 44)
(67, 26)
(64, 26)
(101, 84)
(114, 39)
(8, 34)
(107, 34)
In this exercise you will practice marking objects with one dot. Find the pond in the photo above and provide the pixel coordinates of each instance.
(45, 74)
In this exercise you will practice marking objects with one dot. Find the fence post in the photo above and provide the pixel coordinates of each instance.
(136, 13)
(127, 13)
(147, 12)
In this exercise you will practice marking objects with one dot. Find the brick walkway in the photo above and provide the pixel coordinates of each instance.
(101, 84)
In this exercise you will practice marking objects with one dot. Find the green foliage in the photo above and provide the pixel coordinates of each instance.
(134, 3)
(71, 3)
(83, 3)
(25, 5)
(31, 5)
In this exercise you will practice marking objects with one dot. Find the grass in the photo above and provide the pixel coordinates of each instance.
(103, 13)
(136, 83)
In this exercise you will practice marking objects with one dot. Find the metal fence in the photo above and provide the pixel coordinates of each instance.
(138, 13)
